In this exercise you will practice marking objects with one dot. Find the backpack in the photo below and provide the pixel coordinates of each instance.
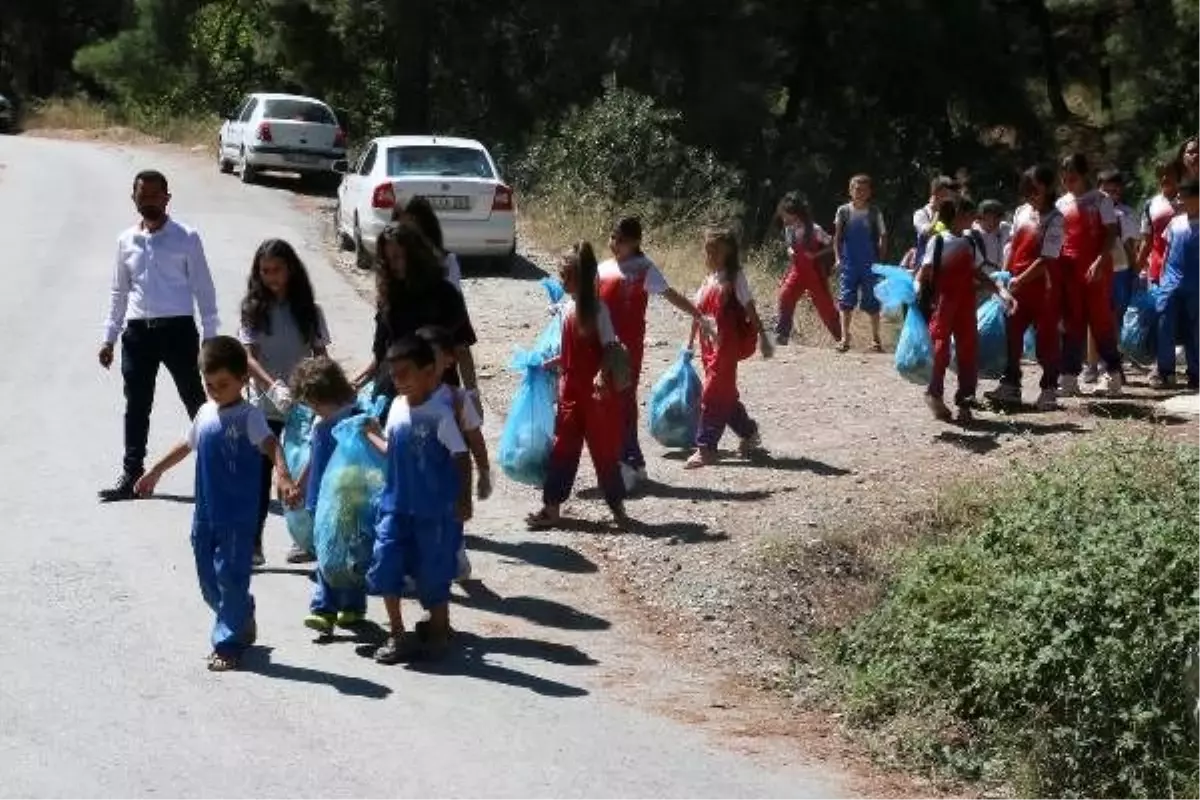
(976, 239)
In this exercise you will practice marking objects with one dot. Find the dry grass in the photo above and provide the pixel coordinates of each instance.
(679, 253)
(84, 117)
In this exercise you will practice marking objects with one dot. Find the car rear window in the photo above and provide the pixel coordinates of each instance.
(449, 162)
(298, 111)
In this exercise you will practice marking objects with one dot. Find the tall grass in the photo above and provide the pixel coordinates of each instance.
(89, 117)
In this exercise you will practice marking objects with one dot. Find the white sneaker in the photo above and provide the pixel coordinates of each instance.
(1089, 375)
(1047, 400)
(464, 565)
(1113, 384)
(1180, 354)
(1068, 386)
(1005, 393)
(630, 476)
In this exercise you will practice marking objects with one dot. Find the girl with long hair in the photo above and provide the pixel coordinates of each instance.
(281, 325)
(420, 212)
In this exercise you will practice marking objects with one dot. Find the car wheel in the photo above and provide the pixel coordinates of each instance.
(364, 260)
(248, 172)
(342, 241)
(223, 163)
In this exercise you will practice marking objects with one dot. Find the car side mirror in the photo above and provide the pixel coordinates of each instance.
(341, 166)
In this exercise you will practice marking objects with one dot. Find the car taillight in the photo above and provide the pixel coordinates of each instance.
(264, 132)
(339, 138)
(503, 199)
(383, 196)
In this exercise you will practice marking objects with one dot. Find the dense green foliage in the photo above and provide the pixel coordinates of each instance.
(1049, 645)
(782, 93)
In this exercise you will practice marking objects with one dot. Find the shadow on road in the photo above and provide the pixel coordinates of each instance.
(1130, 410)
(767, 461)
(539, 554)
(980, 445)
(258, 661)
(308, 187)
(538, 610)
(664, 491)
(469, 658)
(185, 499)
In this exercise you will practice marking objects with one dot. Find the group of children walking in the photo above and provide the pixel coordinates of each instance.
(1072, 254)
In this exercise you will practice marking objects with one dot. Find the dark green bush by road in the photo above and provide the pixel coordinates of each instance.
(1048, 646)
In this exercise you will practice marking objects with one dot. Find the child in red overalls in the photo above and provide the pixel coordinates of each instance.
(807, 244)
(594, 368)
(626, 282)
(725, 296)
(951, 271)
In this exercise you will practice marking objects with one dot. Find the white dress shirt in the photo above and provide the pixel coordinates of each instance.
(160, 274)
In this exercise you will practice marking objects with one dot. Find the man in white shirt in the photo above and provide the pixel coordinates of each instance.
(159, 276)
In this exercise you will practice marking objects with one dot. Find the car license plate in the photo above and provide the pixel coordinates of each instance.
(448, 203)
(303, 158)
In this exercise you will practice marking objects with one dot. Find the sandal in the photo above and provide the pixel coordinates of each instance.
(701, 458)
(542, 521)
(876, 347)
(222, 662)
(298, 555)
(396, 648)
(842, 347)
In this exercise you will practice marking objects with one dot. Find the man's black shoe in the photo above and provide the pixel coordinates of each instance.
(122, 490)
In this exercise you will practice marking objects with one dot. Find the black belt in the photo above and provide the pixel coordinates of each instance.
(160, 322)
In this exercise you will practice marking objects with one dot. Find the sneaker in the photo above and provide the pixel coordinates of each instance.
(781, 339)
(321, 623)
(1113, 384)
(1089, 375)
(464, 566)
(259, 559)
(1047, 400)
(1068, 386)
(1158, 382)
(938, 406)
(1005, 394)
(121, 490)
(348, 619)
(298, 555)
(750, 445)
(1180, 354)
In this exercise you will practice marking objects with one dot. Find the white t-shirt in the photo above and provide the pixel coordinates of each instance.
(741, 288)
(604, 325)
(654, 282)
(241, 416)
(453, 270)
(434, 411)
(1127, 231)
(923, 217)
(993, 243)
(450, 394)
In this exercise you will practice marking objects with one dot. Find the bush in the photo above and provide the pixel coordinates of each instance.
(622, 155)
(1050, 644)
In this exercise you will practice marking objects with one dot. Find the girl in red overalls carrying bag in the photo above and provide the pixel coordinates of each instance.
(594, 369)
(626, 282)
(725, 296)
(807, 245)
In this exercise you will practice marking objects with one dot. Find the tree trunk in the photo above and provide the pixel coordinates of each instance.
(1100, 37)
(1040, 17)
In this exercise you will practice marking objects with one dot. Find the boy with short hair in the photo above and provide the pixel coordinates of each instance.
(1178, 298)
(1156, 215)
(990, 233)
(1124, 279)
(859, 240)
(229, 437)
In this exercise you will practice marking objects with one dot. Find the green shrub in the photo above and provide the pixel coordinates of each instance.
(1050, 644)
(622, 154)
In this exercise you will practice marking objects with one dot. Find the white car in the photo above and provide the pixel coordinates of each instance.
(459, 178)
(282, 132)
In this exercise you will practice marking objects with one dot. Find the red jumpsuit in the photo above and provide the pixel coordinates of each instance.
(585, 415)
(1035, 235)
(623, 291)
(804, 276)
(720, 403)
(1159, 213)
(953, 315)
(1085, 305)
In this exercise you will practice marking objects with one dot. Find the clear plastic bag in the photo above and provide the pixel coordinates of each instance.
(528, 434)
(1139, 328)
(344, 528)
(675, 404)
(297, 446)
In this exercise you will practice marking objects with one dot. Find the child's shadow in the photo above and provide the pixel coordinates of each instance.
(257, 660)
(540, 554)
(468, 656)
(538, 610)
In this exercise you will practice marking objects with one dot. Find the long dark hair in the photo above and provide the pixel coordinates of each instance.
(587, 301)
(1181, 170)
(256, 305)
(422, 269)
(731, 264)
(1042, 175)
(420, 212)
(796, 204)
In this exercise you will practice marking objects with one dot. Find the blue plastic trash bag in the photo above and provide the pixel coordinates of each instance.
(549, 342)
(1031, 343)
(554, 289)
(895, 289)
(528, 433)
(297, 444)
(914, 348)
(1139, 328)
(675, 404)
(346, 508)
(990, 319)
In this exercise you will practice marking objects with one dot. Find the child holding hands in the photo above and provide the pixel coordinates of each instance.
(229, 437)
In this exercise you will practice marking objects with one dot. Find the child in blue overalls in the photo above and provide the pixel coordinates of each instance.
(229, 437)
(320, 384)
(1178, 297)
(859, 239)
(426, 498)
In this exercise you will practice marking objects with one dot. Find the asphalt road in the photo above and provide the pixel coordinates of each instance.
(104, 690)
